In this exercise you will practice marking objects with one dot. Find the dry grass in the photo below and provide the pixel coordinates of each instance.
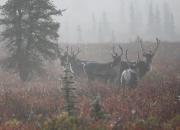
(156, 95)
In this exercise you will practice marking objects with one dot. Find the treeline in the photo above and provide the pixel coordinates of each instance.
(148, 19)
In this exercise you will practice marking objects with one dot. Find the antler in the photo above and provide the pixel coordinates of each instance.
(120, 47)
(127, 58)
(157, 46)
(139, 40)
(78, 51)
(138, 57)
(73, 52)
(67, 49)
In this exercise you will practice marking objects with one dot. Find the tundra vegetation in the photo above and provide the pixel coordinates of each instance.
(88, 94)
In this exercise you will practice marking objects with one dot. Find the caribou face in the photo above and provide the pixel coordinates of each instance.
(116, 60)
(148, 57)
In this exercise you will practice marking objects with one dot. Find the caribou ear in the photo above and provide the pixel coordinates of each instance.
(113, 56)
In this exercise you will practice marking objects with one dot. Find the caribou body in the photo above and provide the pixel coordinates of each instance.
(107, 72)
(101, 71)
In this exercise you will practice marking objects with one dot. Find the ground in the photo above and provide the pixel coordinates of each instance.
(154, 103)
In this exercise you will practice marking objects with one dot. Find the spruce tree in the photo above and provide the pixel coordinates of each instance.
(100, 33)
(94, 29)
(135, 17)
(106, 32)
(79, 32)
(132, 20)
(169, 25)
(151, 20)
(157, 22)
(30, 35)
(113, 38)
(172, 26)
(96, 109)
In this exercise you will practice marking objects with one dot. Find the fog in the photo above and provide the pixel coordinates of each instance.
(118, 20)
(83, 21)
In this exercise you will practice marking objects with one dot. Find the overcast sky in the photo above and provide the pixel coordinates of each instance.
(80, 12)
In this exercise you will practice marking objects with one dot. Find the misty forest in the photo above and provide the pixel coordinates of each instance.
(89, 65)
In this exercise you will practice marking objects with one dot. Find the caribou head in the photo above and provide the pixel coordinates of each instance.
(149, 54)
(144, 66)
(117, 57)
(129, 76)
(76, 63)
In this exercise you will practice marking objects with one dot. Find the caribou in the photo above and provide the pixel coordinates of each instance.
(107, 72)
(133, 71)
(114, 71)
(77, 65)
(144, 65)
(129, 76)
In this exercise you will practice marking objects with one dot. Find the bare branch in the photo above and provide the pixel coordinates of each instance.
(67, 49)
(78, 51)
(139, 40)
(138, 57)
(114, 52)
(72, 53)
(157, 46)
(127, 57)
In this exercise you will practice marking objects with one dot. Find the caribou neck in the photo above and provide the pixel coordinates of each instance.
(148, 63)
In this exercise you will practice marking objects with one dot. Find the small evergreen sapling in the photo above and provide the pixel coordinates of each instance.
(96, 110)
(69, 90)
